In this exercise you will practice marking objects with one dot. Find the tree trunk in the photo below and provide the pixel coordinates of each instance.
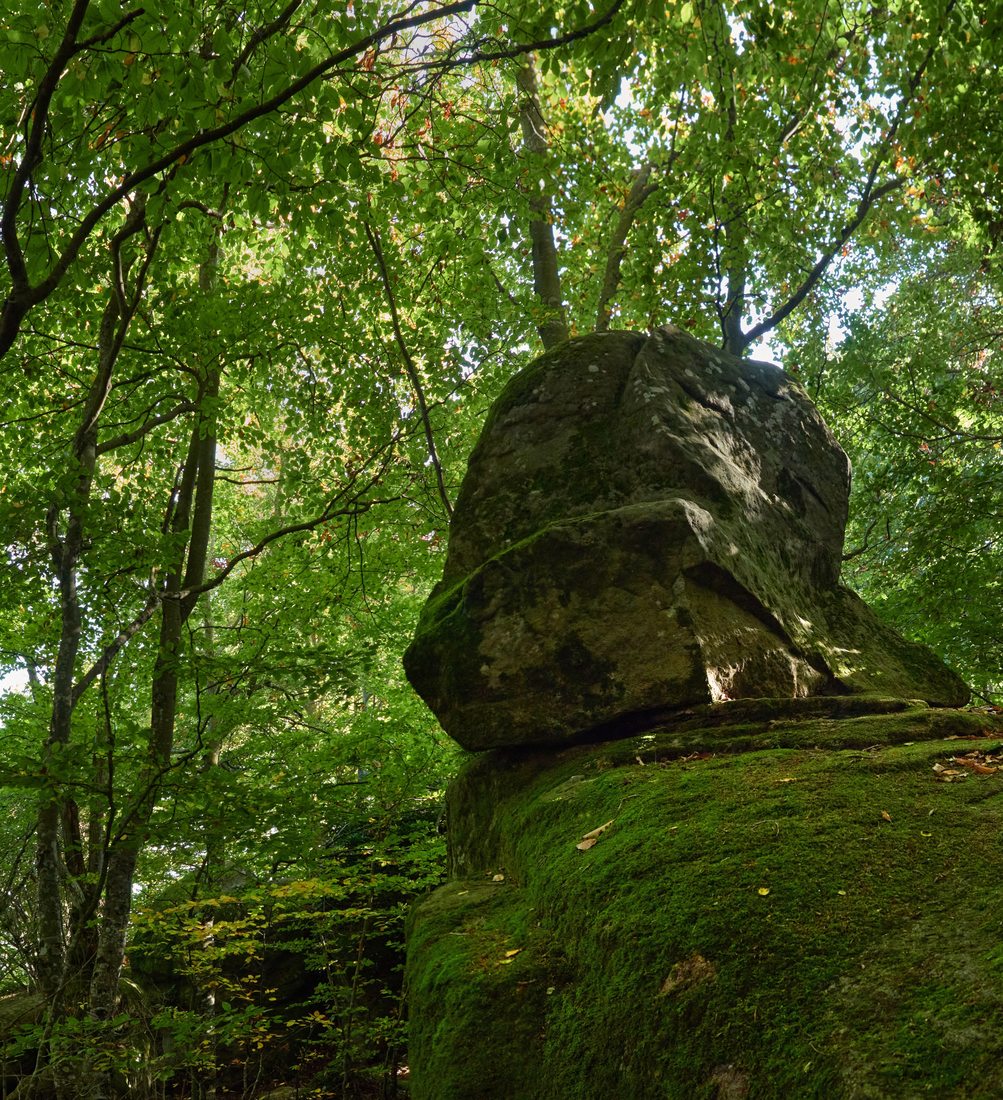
(553, 323)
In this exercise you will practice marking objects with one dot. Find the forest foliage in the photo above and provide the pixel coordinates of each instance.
(266, 266)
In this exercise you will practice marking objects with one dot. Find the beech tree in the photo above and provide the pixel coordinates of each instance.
(266, 267)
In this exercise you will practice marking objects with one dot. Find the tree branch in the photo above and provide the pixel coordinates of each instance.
(111, 651)
(870, 195)
(409, 364)
(816, 273)
(638, 194)
(154, 422)
(23, 297)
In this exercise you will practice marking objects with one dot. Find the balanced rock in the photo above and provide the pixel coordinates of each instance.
(648, 523)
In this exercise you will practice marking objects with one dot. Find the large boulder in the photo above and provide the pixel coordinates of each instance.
(766, 901)
(648, 523)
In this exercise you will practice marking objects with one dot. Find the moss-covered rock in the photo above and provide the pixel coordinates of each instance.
(796, 899)
(647, 522)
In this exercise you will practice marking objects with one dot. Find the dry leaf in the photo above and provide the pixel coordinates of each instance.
(514, 951)
(584, 845)
(939, 768)
(886, 815)
(497, 878)
(596, 832)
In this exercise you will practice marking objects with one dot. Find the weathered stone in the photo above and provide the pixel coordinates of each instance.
(649, 523)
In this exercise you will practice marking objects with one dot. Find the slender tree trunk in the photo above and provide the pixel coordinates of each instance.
(193, 514)
(553, 322)
(53, 860)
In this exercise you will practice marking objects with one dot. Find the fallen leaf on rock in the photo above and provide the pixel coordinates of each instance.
(589, 839)
(973, 762)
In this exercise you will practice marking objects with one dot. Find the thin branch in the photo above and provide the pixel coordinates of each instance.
(533, 47)
(357, 508)
(409, 364)
(110, 32)
(863, 209)
(154, 422)
(869, 197)
(263, 32)
(865, 545)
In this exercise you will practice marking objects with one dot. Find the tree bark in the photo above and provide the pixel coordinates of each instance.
(553, 323)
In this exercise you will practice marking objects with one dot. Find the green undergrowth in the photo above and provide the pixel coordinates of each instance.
(802, 921)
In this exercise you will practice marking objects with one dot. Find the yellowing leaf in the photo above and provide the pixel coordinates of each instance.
(763, 891)
(514, 951)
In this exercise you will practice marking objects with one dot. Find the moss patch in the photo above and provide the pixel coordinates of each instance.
(816, 916)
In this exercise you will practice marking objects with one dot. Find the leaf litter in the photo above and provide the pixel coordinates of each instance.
(976, 762)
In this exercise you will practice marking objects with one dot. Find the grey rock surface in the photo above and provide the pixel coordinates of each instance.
(648, 523)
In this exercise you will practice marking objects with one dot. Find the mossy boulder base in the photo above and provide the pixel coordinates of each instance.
(788, 906)
(648, 523)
